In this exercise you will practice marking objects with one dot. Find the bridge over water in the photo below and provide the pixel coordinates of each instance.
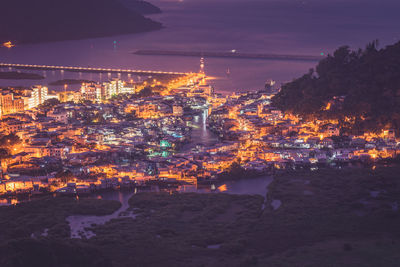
(89, 69)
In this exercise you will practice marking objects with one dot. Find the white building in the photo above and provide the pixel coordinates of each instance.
(127, 89)
(92, 91)
(36, 96)
(112, 88)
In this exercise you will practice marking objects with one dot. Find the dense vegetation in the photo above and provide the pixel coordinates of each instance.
(333, 218)
(37, 234)
(363, 85)
(6, 144)
(48, 20)
(327, 218)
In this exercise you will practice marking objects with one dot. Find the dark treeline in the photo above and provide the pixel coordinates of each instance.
(367, 83)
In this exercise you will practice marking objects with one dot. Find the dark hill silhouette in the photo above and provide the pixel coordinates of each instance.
(141, 7)
(27, 21)
(363, 85)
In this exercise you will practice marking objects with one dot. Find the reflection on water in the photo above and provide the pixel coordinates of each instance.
(252, 186)
(80, 224)
(121, 196)
(8, 201)
(200, 134)
(222, 188)
(276, 203)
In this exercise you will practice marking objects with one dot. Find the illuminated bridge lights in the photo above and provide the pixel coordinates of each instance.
(48, 67)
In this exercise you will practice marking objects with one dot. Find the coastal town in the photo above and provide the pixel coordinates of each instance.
(199, 133)
(145, 135)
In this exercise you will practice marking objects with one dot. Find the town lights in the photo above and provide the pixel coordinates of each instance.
(8, 44)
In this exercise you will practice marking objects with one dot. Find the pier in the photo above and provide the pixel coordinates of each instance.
(231, 54)
(89, 69)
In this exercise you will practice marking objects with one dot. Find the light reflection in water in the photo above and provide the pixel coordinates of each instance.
(120, 197)
(250, 186)
(204, 122)
(8, 201)
(253, 186)
(223, 188)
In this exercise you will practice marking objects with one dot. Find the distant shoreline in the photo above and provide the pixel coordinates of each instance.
(232, 54)
(69, 81)
(13, 75)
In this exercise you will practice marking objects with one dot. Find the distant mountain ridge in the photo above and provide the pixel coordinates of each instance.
(142, 7)
(360, 88)
(27, 21)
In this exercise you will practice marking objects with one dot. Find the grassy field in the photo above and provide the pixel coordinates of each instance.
(327, 218)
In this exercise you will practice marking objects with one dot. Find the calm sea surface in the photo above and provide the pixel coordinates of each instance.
(268, 26)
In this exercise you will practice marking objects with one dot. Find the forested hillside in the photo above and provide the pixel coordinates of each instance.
(360, 87)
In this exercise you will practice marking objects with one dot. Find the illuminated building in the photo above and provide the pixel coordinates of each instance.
(9, 104)
(38, 94)
(269, 86)
(332, 131)
(208, 90)
(202, 65)
(144, 111)
(389, 134)
(77, 96)
(177, 111)
(97, 92)
(57, 151)
(92, 92)
(12, 126)
(127, 88)
(66, 96)
(52, 95)
(6, 102)
(58, 116)
(112, 88)
(8, 44)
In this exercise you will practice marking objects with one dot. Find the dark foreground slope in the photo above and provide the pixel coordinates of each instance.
(362, 85)
(327, 218)
(25, 21)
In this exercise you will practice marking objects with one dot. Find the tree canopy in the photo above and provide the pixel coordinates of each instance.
(367, 82)
(7, 141)
(48, 104)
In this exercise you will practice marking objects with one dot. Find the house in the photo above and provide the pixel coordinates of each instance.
(327, 142)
